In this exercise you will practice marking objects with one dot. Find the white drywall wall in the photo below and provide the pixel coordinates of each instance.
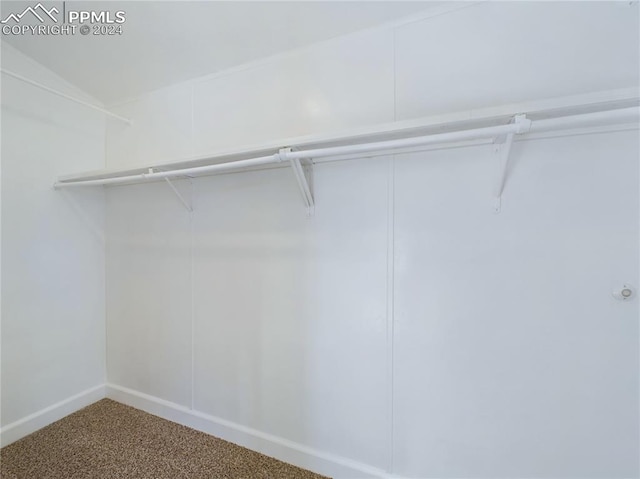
(512, 358)
(405, 326)
(487, 54)
(53, 301)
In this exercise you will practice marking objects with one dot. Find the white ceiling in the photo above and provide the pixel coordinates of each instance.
(166, 42)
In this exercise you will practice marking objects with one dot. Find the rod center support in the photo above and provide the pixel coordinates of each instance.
(283, 154)
(523, 124)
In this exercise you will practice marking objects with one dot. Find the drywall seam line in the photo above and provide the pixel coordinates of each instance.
(192, 136)
(192, 287)
(390, 308)
(423, 15)
(390, 274)
(105, 289)
(191, 254)
(395, 87)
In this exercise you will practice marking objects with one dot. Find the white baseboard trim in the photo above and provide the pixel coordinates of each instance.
(306, 457)
(31, 423)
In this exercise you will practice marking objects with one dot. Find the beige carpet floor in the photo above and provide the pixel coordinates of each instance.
(109, 440)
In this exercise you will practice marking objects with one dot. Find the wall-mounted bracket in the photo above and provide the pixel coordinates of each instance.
(303, 175)
(185, 203)
(502, 148)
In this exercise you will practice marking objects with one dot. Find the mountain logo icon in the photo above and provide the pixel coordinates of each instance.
(34, 11)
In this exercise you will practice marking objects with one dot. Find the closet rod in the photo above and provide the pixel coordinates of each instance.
(523, 125)
(286, 156)
(64, 95)
(622, 115)
(158, 175)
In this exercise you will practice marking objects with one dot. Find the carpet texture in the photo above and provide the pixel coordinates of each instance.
(109, 440)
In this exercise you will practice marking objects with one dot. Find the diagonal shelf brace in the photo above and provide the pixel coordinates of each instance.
(303, 178)
(185, 203)
(503, 150)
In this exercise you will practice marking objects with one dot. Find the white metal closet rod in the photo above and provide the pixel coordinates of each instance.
(388, 145)
(263, 160)
(64, 95)
(618, 116)
(623, 115)
(321, 152)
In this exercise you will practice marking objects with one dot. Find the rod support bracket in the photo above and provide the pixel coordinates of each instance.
(303, 175)
(502, 148)
(282, 154)
(523, 123)
(186, 203)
